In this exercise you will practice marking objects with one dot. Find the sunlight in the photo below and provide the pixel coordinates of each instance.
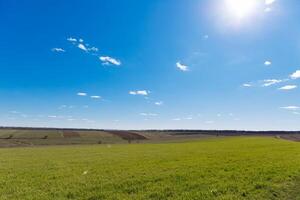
(240, 9)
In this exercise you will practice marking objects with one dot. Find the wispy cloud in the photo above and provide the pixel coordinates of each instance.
(288, 87)
(59, 50)
(247, 85)
(66, 106)
(269, 82)
(149, 114)
(70, 39)
(81, 45)
(106, 60)
(92, 50)
(82, 94)
(139, 92)
(96, 97)
(295, 75)
(176, 119)
(159, 103)
(182, 67)
(95, 49)
(290, 107)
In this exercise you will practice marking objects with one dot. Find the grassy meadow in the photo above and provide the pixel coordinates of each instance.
(216, 168)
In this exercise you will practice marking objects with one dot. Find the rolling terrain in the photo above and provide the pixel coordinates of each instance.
(21, 137)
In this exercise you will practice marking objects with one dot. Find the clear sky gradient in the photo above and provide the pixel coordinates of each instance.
(132, 64)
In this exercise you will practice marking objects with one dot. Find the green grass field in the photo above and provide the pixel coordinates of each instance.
(221, 168)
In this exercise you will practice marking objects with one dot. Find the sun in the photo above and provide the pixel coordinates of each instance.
(241, 9)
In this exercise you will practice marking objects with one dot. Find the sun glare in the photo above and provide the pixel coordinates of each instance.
(241, 8)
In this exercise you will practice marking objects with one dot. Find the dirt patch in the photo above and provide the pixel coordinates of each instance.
(71, 134)
(292, 137)
(127, 135)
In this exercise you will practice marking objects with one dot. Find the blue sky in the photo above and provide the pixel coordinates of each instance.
(196, 64)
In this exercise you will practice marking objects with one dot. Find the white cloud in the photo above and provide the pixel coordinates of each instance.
(82, 47)
(269, 2)
(159, 103)
(58, 50)
(109, 60)
(247, 85)
(176, 119)
(132, 92)
(267, 63)
(209, 122)
(149, 114)
(269, 82)
(290, 107)
(81, 94)
(182, 67)
(70, 39)
(52, 116)
(96, 97)
(95, 49)
(288, 87)
(142, 92)
(295, 75)
(139, 92)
